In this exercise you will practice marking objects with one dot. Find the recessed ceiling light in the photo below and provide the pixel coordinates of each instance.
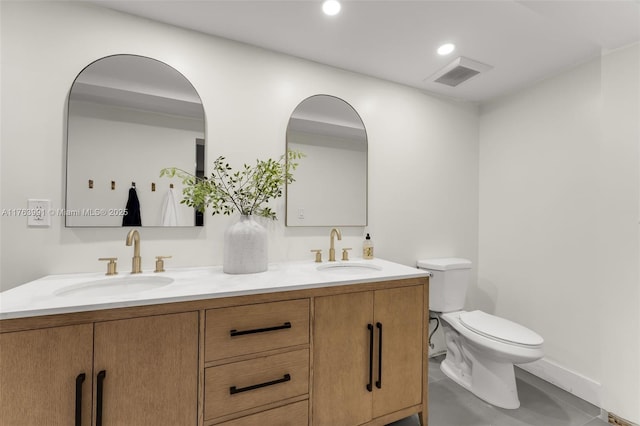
(446, 48)
(331, 7)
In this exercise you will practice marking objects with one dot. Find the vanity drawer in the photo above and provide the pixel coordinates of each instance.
(241, 330)
(296, 414)
(238, 386)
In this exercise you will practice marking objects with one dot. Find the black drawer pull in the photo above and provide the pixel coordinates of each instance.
(79, 381)
(234, 333)
(370, 384)
(99, 395)
(379, 381)
(233, 390)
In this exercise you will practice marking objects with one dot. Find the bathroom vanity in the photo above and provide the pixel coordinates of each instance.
(296, 345)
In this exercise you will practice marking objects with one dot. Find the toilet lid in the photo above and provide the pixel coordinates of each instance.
(500, 329)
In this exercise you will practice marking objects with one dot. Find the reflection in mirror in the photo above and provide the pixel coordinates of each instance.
(331, 188)
(129, 117)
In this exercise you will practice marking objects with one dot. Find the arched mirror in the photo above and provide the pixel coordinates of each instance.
(330, 187)
(130, 116)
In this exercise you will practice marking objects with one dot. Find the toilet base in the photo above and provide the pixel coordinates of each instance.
(478, 370)
(493, 382)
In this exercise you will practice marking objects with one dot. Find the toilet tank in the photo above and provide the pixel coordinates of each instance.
(448, 283)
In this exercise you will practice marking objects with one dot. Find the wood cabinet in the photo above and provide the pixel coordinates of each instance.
(400, 312)
(295, 414)
(238, 386)
(368, 355)
(257, 357)
(151, 370)
(341, 359)
(337, 355)
(141, 371)
(38, 374)
(249, 329)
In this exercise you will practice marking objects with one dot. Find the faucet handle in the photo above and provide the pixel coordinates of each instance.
(160, 263)
(318, 255)
(345, 253)
(111, 266)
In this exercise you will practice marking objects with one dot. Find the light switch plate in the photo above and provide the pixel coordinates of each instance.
(38, 213)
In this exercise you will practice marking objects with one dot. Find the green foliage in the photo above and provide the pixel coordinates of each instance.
(246, 191)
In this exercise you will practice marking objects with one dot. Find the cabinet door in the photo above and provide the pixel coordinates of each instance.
(398, 314)
(341, 359)
(151, 370)
(38, 374)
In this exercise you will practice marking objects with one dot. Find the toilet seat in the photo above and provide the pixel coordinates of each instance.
(500, 329)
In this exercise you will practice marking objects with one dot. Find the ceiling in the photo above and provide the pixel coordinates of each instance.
(524, 41)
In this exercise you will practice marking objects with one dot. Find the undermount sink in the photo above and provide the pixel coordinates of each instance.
(349, 267)
(115, 286)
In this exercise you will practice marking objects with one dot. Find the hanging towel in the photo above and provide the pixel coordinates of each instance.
(132, 217)
(170, 210)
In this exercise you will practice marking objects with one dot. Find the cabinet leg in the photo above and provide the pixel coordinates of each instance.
(421, 417)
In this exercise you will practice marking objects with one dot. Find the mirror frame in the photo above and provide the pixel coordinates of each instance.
(198, 218)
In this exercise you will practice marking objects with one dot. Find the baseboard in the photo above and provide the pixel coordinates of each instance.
(568, 380)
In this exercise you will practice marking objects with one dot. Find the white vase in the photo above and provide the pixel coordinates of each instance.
(245, 247)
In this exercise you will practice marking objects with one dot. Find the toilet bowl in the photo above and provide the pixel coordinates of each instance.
(481, 352)
(481, 348)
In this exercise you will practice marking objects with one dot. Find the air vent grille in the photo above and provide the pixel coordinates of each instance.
(456, 76)
(458, 71)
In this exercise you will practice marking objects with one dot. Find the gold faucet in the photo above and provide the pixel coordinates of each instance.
(335, 232)
(134, 236)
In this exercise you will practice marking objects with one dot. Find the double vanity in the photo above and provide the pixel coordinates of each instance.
(339, 343)
(334, 343)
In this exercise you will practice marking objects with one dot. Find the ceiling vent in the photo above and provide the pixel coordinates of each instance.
(458, 71)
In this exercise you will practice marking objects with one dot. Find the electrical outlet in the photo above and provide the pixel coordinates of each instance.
(38, 213)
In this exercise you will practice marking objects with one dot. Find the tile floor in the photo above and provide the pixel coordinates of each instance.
(541, 404)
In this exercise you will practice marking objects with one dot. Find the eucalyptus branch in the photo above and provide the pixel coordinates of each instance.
(262, 192)
(221, 177)
(246, 190)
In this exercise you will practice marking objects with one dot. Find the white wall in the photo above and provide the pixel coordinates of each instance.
(423, 158)
(558, 224)
(618, 232)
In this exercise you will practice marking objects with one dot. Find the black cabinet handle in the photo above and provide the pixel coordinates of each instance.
(370, 384)
(79, 382)
(234, 333)
(99, 392)
(233, 390)
(379, 381)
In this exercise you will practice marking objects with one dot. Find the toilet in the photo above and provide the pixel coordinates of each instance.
(481, 348)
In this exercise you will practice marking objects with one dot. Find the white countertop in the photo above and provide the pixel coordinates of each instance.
(43, 296)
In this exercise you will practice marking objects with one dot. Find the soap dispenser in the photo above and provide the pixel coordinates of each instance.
(367, 248)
